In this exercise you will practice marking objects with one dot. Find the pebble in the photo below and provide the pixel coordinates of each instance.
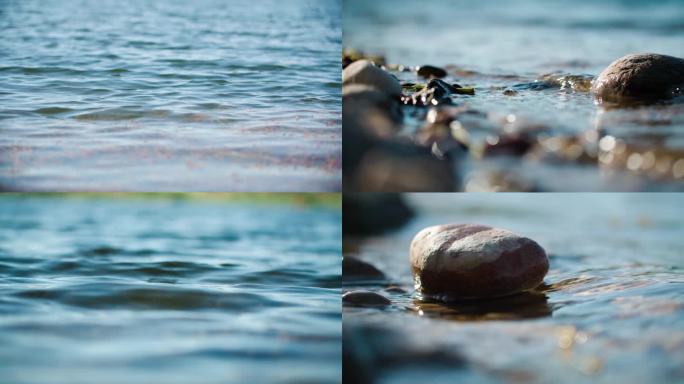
(364, 299)
(436, 92)
(365, 72)
(353, 268)
(457, 261)
(428, 71)
(640, 77)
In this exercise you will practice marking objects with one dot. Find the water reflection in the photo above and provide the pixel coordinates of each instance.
(525, 305)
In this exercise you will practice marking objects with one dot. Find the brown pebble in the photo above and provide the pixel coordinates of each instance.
(640, 77)
(475, 261)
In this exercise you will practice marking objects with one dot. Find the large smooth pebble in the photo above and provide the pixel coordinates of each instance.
(366, 73)
(475, 261)
(640, 77)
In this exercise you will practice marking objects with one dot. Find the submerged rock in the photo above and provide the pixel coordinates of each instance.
(640, 77)
(364, 299)
(475, 261)
(365, 72)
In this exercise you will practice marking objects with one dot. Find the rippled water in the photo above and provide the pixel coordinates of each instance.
(170, 95)
(611, 308)
(143, 289)
(544, 57)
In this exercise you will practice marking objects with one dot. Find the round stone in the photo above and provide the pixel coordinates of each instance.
(366, 73)
(458, 261)
(640, 77)
(364, 299)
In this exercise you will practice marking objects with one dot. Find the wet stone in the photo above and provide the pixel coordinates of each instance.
(429, 71)
(458, 261)
(353, 268)
(364, 299)
(640, 77)
(366, 73)
(437, 92)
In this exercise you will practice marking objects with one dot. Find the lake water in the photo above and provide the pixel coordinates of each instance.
(545, 55)
(170, 95)
(142, 289)
(611, 309)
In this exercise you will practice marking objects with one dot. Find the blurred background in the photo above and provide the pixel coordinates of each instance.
(610, 308)
(174, 288)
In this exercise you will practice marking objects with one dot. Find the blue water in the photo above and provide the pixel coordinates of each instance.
(170, 95)
(611, 310)
(142, 289)
(530, 47)
(524, 37)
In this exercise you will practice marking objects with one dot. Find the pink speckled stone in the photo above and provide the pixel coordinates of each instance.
(475, 261)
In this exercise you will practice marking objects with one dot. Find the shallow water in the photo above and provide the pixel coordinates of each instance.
(545, 55)
(143, 289)
(172, 95)
(611, 308)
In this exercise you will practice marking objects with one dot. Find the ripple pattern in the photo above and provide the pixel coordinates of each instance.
(141, 289)
(152, 95)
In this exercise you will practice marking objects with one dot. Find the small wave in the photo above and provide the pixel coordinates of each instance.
(102, 251)
(42, 70)
(50, 111)
(184, 63)
(292, 276)
(117, 71)
(154, 297)
(119, 114)
(110, 115)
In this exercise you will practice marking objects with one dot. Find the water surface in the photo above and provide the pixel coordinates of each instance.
(145, 289)
(170, 95)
